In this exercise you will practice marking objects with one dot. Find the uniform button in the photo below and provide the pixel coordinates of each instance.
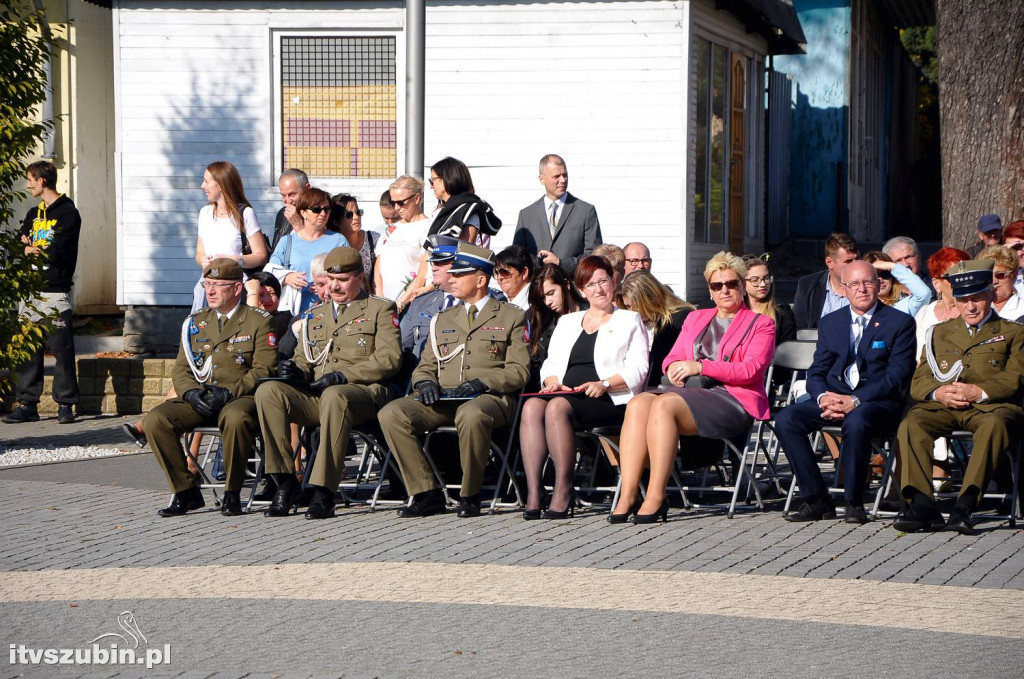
(468, 352)
(216, 350)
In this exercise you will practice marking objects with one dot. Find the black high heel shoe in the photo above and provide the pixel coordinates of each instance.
(535, 514)
(624, 517)
(569, 511)
(662, 514)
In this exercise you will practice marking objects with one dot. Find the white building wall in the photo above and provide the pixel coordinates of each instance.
(602, 83)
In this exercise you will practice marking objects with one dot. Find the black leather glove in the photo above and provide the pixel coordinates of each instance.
(328, 380)
(195, 399)
(466, 389)
(429, 392)
(216, 397)
(290, 371)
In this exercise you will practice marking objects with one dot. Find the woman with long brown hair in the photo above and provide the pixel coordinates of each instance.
(662, 311)
(552, 295)
(760, 287)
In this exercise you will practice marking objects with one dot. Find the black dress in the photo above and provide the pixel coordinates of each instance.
(664, 340)
(587, 411)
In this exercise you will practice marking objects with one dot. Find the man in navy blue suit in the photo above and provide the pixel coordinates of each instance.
(862, 368)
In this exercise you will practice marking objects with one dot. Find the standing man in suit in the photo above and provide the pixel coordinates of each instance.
(559, 228)
(473, 366)
(971, 377)
(225, 349)
(349, 347)
(819, 294)
(862, 366)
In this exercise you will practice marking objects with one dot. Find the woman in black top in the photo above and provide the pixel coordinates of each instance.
(662, 311)
(760, 288)
(552, 295)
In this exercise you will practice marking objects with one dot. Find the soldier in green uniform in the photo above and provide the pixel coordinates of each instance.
(970, 377)
(225, 349)
(349, 347)
(473, 366)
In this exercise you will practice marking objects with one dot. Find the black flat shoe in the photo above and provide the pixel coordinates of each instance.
(469, 507)
(423, 504)
(185, 501)
(661, 514)
(918, 518)
(138, 437)
(284, 499)
(322, 504)
(231, 505)
(960, 521)
(855, 514)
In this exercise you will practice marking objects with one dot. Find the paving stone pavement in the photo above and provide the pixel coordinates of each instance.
(65, 527)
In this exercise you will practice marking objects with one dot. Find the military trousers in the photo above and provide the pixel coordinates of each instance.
(238, 424)
(337, 410)
(405, 421)
(995, 429)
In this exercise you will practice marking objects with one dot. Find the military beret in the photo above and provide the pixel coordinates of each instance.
(469, 257)
(342, 260)
(442, 248)
(970, 277)
(223, 269)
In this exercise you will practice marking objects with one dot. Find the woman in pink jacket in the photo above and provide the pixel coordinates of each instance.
(717, 371)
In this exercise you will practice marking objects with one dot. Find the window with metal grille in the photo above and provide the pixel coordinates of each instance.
(338, 105)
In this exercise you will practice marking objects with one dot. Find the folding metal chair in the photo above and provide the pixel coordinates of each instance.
(207, 455)
(498, 455)
(1014, 455)
(807, 335)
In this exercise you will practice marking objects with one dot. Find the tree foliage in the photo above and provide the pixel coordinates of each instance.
(24, 44)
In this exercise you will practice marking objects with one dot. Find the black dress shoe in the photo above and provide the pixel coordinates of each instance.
(24, 413)
(65, 414)
(185, 501)
(814, 510)
(266, 493)
(138, 437)
(423, 504)
(469, 507)
(856, 514)
(917, 517)
(284, 499)
(321, 506)
(960, 521)
(231, 505)
(305, 496)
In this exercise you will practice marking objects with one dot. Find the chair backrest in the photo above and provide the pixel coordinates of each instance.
(807, 335)
(794, 355)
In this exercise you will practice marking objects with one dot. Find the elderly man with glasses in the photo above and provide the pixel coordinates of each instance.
(862, 366)
(638, 257)
(225, 349)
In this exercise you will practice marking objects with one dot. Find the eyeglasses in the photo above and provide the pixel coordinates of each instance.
(317, 209)
(857, 285)
(503, 272)
(732, 284)
(210, 284)
(349, 214)
(638, 261)
(594, 285)
(758, 280)
(433, 179)
(1017, 246)
(1001, 275)
(401, 203)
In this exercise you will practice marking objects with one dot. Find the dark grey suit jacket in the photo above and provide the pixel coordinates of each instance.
(577, 233)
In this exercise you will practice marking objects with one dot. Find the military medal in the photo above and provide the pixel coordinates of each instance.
(493, 351)
(239, 359)
(361, 342)
(444, 349)
(944, 366)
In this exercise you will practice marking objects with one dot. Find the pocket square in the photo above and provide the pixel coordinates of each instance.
(878, 344)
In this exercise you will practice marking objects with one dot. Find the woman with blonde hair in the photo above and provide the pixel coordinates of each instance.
(397, 275)
(898, 286)
(717, 373)
(662, 311)
(760, 287)
(1008, 304)
(227, 225)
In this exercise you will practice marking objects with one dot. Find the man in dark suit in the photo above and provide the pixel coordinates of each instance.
(861, 371)
(559, 228)
(971, 377)
(819, 294)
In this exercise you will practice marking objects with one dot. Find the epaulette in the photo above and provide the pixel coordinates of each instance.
(315, 307)
(379, 298)
(261, 312)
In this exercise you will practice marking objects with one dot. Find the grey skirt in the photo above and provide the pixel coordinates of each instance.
(717, 412)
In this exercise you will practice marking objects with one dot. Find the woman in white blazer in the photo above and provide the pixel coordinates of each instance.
(597, 361)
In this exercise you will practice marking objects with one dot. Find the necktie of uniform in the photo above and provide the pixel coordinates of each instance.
(472, 313)
(449, 302)
(220, 322)
(553, 222)
(852, 372)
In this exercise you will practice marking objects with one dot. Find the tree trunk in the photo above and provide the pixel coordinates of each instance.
(981, 113)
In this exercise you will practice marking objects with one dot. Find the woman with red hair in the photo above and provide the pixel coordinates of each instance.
(943, 308)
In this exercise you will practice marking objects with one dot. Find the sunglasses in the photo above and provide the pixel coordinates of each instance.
(401, 203)
(885, 275)
(733, 284)
(1001, 275)
(503, 272)
(349, 214)
(317, 209)
(1016, 246)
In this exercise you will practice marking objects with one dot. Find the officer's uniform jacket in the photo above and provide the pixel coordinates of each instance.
(235, 357)
(494, 350)
(993, 359)
(363, 343)
(416, 321)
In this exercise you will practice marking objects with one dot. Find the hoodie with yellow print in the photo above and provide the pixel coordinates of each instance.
(54, 229)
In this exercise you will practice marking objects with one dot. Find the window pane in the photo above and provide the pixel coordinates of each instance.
(700, 221)
(338, 106)
(719, 167)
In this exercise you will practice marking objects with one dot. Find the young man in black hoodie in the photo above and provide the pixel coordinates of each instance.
(50, 232)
